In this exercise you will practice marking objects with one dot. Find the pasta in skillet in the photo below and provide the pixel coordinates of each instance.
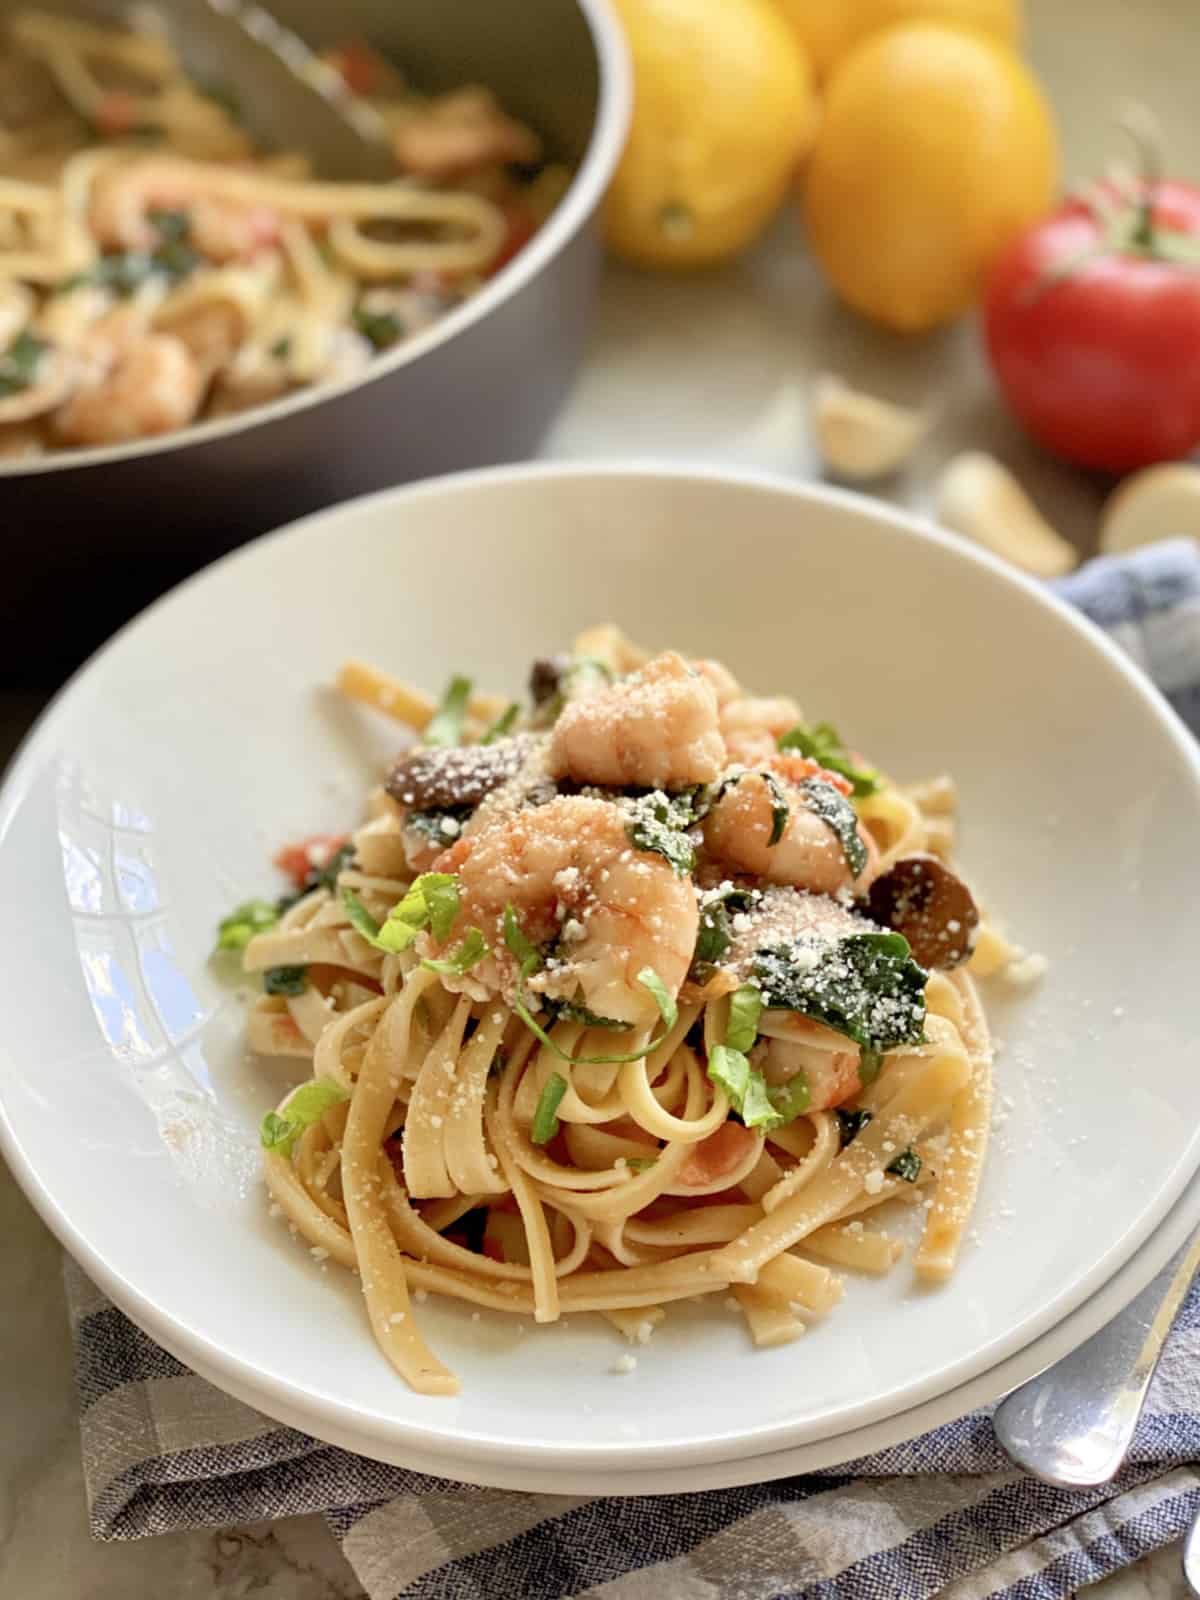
(156, 268)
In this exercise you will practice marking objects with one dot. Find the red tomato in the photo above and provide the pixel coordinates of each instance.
(717, 1156)
(1093, 327)
(358, 65)
(522, 225)
(298, 860)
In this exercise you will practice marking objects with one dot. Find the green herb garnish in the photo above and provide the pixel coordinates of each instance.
(834, 809)
(381, 329)
(431, 902)
(445, 727)
(429, 824)
(545, 1118)
(173, 226)
(20, 362)
(530, 959)
(640, 1163)
(235, 931)
(823, 745)
(319, 877)
(745, 1087)
(658, 824)
(907, 1166)
(503, 725)
(745, 1008)
(714, 934)
(866, 986)
(851, 1124)
(305, 1106)
(469, 954)
(285, 980)
(281, 349)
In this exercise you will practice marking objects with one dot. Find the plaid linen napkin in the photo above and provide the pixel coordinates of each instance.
(942, 1515)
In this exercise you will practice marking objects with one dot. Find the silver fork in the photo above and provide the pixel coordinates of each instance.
(1072, 1425)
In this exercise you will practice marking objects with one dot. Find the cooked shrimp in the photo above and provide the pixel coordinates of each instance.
(829, 1068)
(571, 874)
(458, 132)
(751, 726)
(808, 854)
(727, 688)
(656, 729)
(154, 387)
(124, 197)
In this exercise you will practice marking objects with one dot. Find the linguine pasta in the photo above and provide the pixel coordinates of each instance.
(157, 268)
(652, 991)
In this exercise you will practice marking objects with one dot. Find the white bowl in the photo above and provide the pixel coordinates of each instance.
(150, 796)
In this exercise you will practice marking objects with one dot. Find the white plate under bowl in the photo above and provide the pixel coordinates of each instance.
(149, 797)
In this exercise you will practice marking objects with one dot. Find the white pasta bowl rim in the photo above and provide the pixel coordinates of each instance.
(614, 101)
(320, 1409)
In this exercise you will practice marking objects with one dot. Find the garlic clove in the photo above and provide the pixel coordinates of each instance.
(980, 498)
(859, 436)
(1157, 503)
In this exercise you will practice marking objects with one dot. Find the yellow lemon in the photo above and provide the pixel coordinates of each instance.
(724, 109)
(936, 146)
(829, 28)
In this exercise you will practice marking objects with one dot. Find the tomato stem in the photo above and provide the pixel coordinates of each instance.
(1142, 128)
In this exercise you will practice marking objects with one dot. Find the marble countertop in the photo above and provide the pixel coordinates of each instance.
(712, 368)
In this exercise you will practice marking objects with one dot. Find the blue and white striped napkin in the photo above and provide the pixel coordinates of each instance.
(943, 1515)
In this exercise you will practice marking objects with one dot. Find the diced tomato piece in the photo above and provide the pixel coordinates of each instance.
(358, 65)
(522, 225)
(308, 855)
(116, 113)
(797, 768)
(713, 1158)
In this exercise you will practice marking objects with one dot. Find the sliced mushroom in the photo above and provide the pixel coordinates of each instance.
(545, 678)
(932, 907)
(435, 779)
(859, 436)
(980, 498)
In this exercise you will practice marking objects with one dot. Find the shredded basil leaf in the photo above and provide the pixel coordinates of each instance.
(20, 362)
(173, 226)
(445, 727)
(235, 931)
(866, 986)
(791, 1099)
(429, 823)
(125, 271)
(780, 810)
(304, 1106)
(361, 919)
(744, 1087)
(745, 1008)
(662, 996)
(851, 1124)
(571, 1011)
(823, 744)
(907, 1165)
(640, 1163)
(714, 934)
(658, 824)
(503, 725)
(431, 902)
(285, 980)
(519, 944)
(527, 953)
(835, 810)
(469, 954)
(381, 329)
(281, 349)
(545, 1118)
